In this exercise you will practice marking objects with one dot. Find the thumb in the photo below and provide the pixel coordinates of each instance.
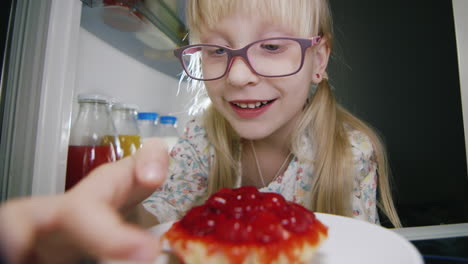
(151, 162)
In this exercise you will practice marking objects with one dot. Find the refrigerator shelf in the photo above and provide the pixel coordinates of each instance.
(147, 30)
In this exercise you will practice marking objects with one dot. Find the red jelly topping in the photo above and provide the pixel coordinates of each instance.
(245, 216)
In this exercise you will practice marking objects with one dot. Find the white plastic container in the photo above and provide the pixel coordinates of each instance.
(167, 130)
(147, 123)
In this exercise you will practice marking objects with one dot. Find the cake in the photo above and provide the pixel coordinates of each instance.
(244, 225)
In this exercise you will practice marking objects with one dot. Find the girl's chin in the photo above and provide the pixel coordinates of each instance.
(251, 132)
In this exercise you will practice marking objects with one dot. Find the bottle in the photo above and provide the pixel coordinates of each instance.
(167, 130)
(126, 124)
(147, 122)
(93, 138)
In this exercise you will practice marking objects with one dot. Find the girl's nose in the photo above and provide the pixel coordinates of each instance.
(240, 74)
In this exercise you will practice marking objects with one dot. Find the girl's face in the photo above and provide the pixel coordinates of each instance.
(241, 88)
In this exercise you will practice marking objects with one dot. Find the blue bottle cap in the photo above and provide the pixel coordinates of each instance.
(167, 120)
(147, 116)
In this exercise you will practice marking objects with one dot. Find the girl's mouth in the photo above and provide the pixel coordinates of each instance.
(251, 108)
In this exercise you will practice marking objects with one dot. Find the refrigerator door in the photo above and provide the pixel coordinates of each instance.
(37, 87)
(6, 20)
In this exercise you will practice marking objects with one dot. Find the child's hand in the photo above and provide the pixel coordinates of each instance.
(87, 219)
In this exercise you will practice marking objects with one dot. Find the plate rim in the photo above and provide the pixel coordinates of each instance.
(416, 255)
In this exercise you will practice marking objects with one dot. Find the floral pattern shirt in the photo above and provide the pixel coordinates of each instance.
(189, 167)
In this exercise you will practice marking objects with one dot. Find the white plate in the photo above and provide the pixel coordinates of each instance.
(349, 241)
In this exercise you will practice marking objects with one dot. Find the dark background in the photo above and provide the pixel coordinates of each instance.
(395, 66)
(4, 17)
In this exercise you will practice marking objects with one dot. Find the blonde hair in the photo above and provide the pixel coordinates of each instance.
(323, 119)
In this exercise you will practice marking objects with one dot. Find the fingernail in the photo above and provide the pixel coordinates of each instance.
(153, 172)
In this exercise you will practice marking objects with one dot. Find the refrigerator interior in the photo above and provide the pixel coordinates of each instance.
(61, 57)
(103, 69)
(123, 55)
(52, 59)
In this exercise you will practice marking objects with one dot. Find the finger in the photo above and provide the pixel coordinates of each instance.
(151, 160)
(16, 235)
(129, 180)
(98, 230)
(151, 169)
(91, 215)
(21, 221)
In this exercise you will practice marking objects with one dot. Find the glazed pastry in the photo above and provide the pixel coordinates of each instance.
(246, 226)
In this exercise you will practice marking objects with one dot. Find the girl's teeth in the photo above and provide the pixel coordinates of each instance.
(251, 105)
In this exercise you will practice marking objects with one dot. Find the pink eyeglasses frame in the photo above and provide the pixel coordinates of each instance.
(305, 43)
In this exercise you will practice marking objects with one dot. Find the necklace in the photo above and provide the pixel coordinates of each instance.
(258, 165)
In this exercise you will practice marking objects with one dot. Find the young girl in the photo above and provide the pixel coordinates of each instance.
(272, 121)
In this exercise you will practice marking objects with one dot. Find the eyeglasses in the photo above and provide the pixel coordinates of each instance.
(272, 57)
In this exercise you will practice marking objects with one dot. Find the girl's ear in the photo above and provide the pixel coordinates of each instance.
(321, 56)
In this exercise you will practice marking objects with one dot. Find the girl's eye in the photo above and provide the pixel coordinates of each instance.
(215, 51)
(220, 51)
(270, 47)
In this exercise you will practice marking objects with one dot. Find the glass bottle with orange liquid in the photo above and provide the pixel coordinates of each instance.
(93, 138)
(126, 124)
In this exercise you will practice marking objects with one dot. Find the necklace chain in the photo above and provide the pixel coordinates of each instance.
(258, 165)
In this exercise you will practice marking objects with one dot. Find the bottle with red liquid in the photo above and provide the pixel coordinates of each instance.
(93, 138)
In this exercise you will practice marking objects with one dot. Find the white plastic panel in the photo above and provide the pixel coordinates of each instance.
(460, 11)
(56, 98)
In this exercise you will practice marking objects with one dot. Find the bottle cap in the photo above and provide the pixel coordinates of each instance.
(147, 116)
(90, 97)
(168, 120)
(124, 106)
